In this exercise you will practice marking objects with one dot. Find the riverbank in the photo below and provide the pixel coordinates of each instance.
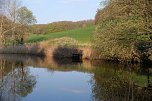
(67, 51)
(51, 49)
(68, 47)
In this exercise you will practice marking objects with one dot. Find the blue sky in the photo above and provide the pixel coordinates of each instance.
(47, 11)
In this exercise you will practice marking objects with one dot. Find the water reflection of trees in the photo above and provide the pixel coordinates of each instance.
(110, 81)
(119, 85)
(15, 80)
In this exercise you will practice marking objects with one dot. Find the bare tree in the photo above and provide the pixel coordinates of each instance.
(13, 19)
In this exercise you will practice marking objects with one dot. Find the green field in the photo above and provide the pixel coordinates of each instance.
(82, 35)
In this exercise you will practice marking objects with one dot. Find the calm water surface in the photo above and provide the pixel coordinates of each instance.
(29, 78)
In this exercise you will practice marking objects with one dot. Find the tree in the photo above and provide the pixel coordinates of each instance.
(25, 16)
(14, 20)
(120, 26)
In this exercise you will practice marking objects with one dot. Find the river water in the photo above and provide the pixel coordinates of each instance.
(31, 78)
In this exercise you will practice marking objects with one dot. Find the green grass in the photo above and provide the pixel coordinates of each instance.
(82, 35)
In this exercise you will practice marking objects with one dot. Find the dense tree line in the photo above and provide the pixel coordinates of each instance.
(124, 29)
(59, 26)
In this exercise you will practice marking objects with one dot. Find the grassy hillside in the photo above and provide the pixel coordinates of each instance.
(60, 26)
(82, 35)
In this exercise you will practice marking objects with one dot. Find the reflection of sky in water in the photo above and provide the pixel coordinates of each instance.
(76, 91)
(70, 81)
(60, 86)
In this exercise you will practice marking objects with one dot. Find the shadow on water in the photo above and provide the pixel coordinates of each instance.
(121, 82)
(110, 81)
(21, 58)
(66, 61)
(147, 71)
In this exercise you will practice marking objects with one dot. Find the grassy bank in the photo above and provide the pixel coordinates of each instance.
(82, 35)
(62, 44)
